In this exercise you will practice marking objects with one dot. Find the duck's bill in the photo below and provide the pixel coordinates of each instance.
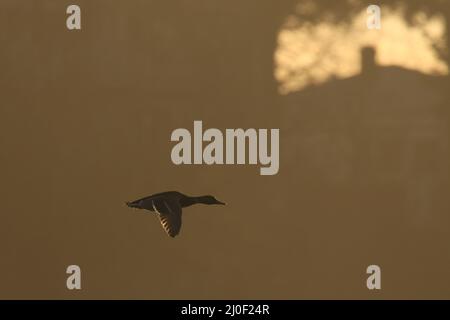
(220, 202)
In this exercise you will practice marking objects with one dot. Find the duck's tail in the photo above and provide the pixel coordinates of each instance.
(133, 204)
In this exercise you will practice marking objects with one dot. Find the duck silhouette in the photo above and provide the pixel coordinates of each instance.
(168, 206)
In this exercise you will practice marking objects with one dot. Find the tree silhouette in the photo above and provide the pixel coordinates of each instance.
(307, 11)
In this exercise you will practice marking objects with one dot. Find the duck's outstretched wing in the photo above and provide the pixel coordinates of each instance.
(171, 224)
(169, 215)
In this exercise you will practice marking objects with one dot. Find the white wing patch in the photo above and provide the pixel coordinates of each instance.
(154, 208)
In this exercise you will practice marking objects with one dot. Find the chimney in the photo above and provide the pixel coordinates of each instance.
(368, 64)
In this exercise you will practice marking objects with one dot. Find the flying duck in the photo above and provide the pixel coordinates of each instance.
(168, 206)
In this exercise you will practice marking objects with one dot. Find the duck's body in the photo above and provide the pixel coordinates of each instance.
(168, 205)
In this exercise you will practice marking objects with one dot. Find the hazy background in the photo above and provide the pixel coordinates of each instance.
(85, 124)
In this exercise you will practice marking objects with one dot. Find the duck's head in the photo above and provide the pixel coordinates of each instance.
(210, 200)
